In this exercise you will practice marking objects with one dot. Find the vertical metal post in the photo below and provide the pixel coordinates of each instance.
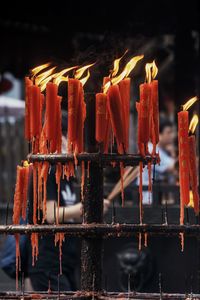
(91, 251)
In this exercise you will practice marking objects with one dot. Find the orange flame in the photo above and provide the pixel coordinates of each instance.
(127, 70)
(189, 103)
(44, 76)
(25, 163)
(193, 123)
(58, 77)
(85, 79)
(37, 70)
(151, 71)
(116, 65)
(44, 83)
(81, 70)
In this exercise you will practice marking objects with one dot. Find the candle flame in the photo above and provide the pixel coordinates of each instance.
(85, 79)
(193, 123)
(127, 70)
(44, 83)
(44, 76)
(191, 203)
(58, 77)
(151, 71)
(116, 65)
(37, 69)
(81, 71)
(189, 103)
(25, 163)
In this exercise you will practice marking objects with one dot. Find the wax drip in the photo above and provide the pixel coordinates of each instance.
(88, 169)
(60, 237)
(82, 179)
(34, 193)
(122, 182)
(140, 242)
(182, 241)
(140, 192)
(44, 175)
(34, 245)
(58, 178)
(150, 181)
(18, 267)
(146, 239)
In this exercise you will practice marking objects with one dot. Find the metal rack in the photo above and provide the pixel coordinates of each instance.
(92, 231)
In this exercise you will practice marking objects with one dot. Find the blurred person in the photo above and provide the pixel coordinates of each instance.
(165, 171)
(47, 267)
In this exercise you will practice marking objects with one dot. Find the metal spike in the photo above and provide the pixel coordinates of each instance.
(163, 219)
(106, 282)
(58, 286)
(160, 285)
(191, 286)
(7, 212)
(23, 285)
(187, 216)
(63, 216)
(29, 147)
(113, 212)
(129, 284)
(154, 173)
(54, 213)
(166, 212)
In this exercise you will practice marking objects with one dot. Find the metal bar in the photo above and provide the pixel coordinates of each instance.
(103, 159)
(105, 230)
(91, 248)
(95, 295)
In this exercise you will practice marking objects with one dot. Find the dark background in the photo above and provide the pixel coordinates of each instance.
(82, 31)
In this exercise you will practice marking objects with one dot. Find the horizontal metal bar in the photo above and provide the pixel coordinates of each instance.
(96, 295)
(104, 159)
(106, 230)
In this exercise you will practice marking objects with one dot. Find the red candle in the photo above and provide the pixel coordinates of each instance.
(35, 121)
(108, 129)
(73, 104)
(124, 87)
(81, 115)
(154, 117)
(28, 83)
(140, 143)
(20, 196)
(51, 110)
(101, 117)
(193, 173)
(115, 111)
(183, 145)
(56, 142)
(145, 93)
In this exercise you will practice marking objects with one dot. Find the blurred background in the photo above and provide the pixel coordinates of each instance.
(68, 33)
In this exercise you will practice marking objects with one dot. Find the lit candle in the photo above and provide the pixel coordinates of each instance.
(28, 83)
(193, 165)
(51, 112)
(73, 104)
(124, 88)
(115, 112)
(101, 117)
(154, 121)
(183, 147)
